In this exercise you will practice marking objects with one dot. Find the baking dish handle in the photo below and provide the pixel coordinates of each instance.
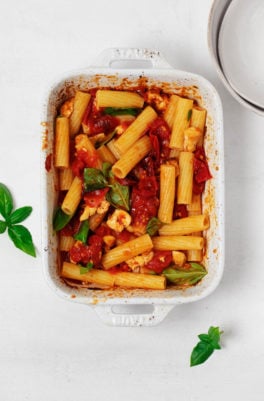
(112, 318)
(131, 58)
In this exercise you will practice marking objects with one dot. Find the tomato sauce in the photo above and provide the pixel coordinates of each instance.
(135, 197)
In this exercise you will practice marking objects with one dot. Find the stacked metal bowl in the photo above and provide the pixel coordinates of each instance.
(236, 43)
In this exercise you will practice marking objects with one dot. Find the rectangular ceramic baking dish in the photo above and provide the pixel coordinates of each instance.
(151, 68)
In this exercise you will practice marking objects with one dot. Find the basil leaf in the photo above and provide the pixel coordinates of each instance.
(20, 214)
(60, 219)
(201, 353)
(93, 179)
(87, 268)
(6, 201)
(83, 231)
(184, 276)
(189, 115)
(204, 337)
(153, 226)
(106, 169)
(120, 112)
(209, 342)
(214, 334)
(118, 196)
(22, 239)
(3, 226)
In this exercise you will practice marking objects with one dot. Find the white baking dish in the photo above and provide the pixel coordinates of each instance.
(158, 72)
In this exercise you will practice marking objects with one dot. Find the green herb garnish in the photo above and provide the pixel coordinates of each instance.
(189, 115)
(83, 231)
(118, 196)
(183, 276)
(206, 346)
(19, 234)
(106, 169)
(87, 268)
(60, 219)
(93, 179)
(120, 112)
(153, 226)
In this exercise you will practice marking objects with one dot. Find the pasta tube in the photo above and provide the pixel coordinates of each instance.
(181, 122)
(80, 103)
(177, 242)
(194, 209)
(194, 255)
(83, 142)
(185, 179)
(192, 136)
(113, 150)
(179, 258)
(66, 242)
(136, 130)
(131, 157)
(73, 197)
(126, 251)
(186, 225)
(62, 142)
(106, 155)
(65, 178)
(198, 120)
(167, 193)
(118, 99)
(123, 279)
(170, 111)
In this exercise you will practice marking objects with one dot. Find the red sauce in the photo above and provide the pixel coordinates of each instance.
(48, 162)
(144, 201)
(143, 182)
(94, 198)
(85, 253)
(84, 158)
(201, 171)
(160, 261)
(104, 123)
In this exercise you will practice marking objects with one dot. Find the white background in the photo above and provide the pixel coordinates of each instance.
(51, 349)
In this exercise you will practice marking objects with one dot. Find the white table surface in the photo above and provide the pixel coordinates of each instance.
(51, 349)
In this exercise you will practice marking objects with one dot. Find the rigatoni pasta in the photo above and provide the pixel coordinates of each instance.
(167, 192)
(131, 157)
(80, 103)
(62, 142)
(185, 180)
(129, 208)
(118, 99)
(136, 130)
(181, 121)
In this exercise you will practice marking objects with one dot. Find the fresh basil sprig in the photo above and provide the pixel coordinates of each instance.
(206, 346)
(183, 276)
(19, 234)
